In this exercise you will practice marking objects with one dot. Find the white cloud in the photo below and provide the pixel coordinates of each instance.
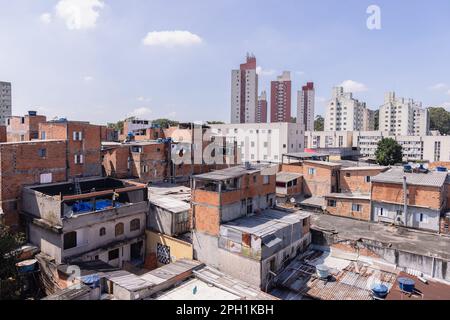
(448, 92)
(321, 99)
(140, 112)
(88, 78)
(353, 86)
(46, 18)
(79, 14)
(262, 72)
(438, 86)
(300, 73)
(143, 99)
(171, 39)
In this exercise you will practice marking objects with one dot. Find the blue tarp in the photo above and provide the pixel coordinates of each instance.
(92, 280)
(80, 207)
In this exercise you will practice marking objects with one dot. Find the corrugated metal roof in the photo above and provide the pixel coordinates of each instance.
(364, 168)
(287, 176)
(431, 179)
(170, 204)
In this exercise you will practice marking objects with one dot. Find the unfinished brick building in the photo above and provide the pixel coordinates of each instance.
(235, 227)
(425, 203)
(144, 161)
(353, 198)
(83, 145)
(24, 128)
(28, 163)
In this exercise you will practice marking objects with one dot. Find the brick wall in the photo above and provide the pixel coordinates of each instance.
(343, 208)
(89, 146)
(430, 197)
(3, 134)
(21, 164)
(354, 181)
(24, 128)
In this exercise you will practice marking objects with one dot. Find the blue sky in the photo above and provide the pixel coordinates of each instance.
(87, 59)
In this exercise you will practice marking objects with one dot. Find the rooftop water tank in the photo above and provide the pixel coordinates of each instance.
(26, 266)
(32, 113)
(380, 290)
(322, 271)
(441, 169)
(406, 284)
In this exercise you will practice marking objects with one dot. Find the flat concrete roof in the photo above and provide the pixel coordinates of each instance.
(233, 172)
(355, 196)
(305, 155)
(364, 168)
(267, 222)
(408, 240)
(324, 163)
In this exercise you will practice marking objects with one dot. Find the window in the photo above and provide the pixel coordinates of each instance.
(22, 120)
(254, 179)
(266, 179)
(144, 168)
(311, 171)
(332, 203)
(102, 232)
(78, 159)
(42, 153)
(43, 135)
(77, 136)
(70, 240)
(422, 218)
(45, 178)
(348, 174)
(113, 254)
(356, 207)
(119, 229)
(135, 224)
(139, 149)
(368, 179)
(380, 212)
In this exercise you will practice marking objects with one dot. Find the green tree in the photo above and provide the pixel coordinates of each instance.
(9, 243)
(116, 126)
(165, 123)
(440, 120)
(319, 123)
(388, 152)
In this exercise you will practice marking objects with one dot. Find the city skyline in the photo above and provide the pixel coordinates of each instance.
(145, 59)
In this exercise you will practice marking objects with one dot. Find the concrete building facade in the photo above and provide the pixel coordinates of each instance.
(5, 101)
(104, 221)
(280, 98)
(403, 117)
(305, 106)
(265, 142)
(345, 113)
(244, 92)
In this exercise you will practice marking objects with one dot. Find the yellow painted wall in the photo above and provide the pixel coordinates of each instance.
(178, 248)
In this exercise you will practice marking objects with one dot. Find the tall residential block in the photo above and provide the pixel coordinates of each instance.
(305, 106)
(261, 110)
(244, 92)
(345, 113)
(400, 116)
(280, 98)
(5, 101)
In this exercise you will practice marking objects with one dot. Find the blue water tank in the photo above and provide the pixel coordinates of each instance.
(441, 169)
(406, 284)
(380, 290)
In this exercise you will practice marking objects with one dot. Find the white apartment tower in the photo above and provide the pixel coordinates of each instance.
(345, 113)
(244, 92)
(5, 102)
(403, 117)
(305, 106)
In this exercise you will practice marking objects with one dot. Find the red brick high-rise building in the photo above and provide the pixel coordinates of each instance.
(280, 98)
(261, 110)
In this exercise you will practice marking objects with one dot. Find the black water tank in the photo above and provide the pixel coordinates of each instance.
(32, 113)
